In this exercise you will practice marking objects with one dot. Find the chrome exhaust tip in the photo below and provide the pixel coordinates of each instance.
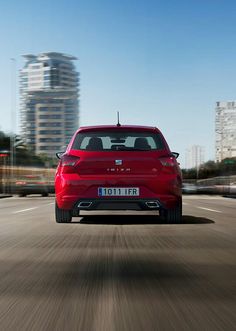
(84, 204)
(152, 204)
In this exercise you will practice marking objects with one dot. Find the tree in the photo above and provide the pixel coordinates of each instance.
(212, 169)
(23, 156)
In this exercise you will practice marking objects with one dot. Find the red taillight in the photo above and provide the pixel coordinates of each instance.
(68, 163)
(168, 163)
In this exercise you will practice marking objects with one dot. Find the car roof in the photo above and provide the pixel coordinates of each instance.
(116, 127)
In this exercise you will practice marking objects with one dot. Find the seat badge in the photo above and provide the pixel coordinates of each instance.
(118, 162)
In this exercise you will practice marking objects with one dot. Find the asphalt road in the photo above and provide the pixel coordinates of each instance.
(116, 271)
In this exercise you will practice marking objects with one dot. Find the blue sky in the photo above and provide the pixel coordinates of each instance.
(160, 63)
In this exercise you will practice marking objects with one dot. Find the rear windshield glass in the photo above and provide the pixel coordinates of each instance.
(118, 141)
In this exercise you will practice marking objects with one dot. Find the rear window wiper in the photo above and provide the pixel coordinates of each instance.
(140, 149)
(132, 149)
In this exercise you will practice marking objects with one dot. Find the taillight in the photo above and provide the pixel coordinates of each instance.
(68, 163)
(168, 163)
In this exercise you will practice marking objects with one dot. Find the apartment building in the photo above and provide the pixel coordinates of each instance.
(225, 130)
(49, 90)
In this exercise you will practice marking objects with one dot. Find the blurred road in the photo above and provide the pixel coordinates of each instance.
(116, 271)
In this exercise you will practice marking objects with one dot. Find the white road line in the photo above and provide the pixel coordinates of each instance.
(202, 197)
(185, 203)
(216, 211)
(23, 210)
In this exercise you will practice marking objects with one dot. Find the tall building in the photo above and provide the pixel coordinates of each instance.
(225, 130)
(195, 156)
(49, 87)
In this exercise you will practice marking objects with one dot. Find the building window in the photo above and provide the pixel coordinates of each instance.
(49, 116)
(52, 140)
(50, 132)
(49, 125)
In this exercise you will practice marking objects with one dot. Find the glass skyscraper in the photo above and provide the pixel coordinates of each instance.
(49, 89)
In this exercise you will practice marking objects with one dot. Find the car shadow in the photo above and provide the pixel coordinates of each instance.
(136, 219)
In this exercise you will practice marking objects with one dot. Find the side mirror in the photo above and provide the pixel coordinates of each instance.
(59, 154)
(176, 155)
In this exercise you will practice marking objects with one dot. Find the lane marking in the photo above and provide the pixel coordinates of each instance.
(201, 197)
(185, 203)
(216, 211)
(23, 210)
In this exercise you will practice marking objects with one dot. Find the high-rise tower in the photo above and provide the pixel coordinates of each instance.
(194, 157)
(225, 130)
(49, 87)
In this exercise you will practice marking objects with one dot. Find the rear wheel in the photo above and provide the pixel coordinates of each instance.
(172, 216)
(62, 215)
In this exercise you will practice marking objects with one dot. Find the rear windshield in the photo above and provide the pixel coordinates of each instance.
(118, 141)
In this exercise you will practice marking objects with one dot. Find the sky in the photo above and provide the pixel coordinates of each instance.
(159, 63)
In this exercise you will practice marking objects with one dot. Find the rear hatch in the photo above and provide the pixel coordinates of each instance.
(119, 160)
(119, 152)
(119, 163)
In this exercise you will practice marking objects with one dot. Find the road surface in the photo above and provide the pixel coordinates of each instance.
(117, 271)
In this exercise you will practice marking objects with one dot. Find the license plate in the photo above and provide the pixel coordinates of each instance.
(118, 191)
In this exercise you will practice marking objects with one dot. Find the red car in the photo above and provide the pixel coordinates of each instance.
(118, 168)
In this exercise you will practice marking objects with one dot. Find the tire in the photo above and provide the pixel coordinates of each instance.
(172, 216)
(62, 215)
(22, 195)
(45, 194)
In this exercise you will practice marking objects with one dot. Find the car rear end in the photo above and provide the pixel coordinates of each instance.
(31, 184)
(118, 168)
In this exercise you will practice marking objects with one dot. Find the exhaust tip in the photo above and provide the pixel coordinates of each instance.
(84, 204)
(152, 204)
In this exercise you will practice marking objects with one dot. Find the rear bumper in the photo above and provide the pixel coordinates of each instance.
(69, 193)
(152, 203)
(117, 204)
